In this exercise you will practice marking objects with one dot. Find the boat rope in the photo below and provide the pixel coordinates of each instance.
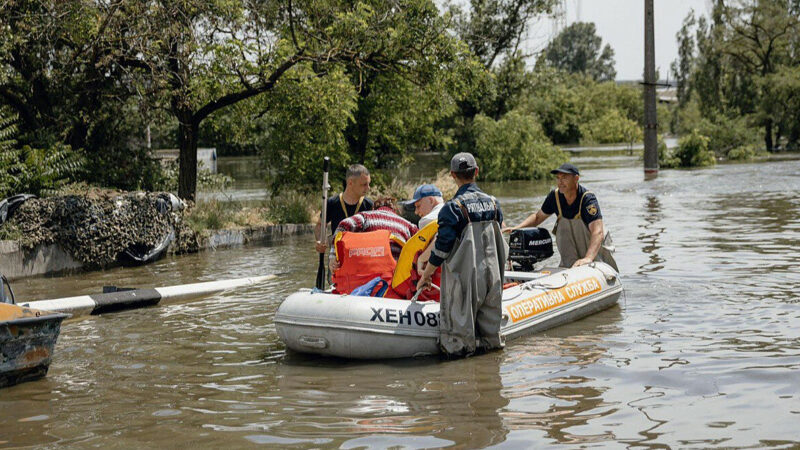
(419, 291)
(537, 284)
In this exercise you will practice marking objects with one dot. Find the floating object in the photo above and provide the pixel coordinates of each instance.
(27, 338)
(121, 299)
(380, 328)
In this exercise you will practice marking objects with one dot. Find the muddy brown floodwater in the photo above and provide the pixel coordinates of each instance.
(702, 351)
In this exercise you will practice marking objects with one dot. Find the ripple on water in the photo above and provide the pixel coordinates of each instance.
(703, 350)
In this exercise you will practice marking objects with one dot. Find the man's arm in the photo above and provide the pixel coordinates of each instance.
(596, 229)
(531, 221)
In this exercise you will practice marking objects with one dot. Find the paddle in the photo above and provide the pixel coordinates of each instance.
(323, 232)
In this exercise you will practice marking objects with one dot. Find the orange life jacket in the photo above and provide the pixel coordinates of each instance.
(362, 257)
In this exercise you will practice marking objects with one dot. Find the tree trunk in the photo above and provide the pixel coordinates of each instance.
(768, 135)
(187, 158)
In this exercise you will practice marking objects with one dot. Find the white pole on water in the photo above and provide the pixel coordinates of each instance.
(139, 298)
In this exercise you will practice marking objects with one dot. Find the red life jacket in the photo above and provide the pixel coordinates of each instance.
(362, 257)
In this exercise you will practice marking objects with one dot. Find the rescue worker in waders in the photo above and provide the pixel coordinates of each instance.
(471, 250)
(580, 235)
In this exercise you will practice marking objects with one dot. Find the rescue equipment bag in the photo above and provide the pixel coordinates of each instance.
(362, 257)
(405, 278)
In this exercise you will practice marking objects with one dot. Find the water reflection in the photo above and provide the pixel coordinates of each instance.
(551, 391)
(454, 402)
(652, 227)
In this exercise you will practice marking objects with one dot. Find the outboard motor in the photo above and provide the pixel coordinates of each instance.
(3, 284)
(527, 246)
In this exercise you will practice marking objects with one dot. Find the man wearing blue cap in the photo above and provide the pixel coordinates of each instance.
(428, 202)
(580, 234)
(472, 253)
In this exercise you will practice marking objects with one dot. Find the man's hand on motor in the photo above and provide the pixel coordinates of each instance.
(321, 248)
(508, 229)
(582, 262)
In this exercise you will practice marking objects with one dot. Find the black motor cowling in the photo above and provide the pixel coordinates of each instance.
(527, 246)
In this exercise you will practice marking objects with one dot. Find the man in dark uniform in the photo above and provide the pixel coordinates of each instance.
(580, 233)
(353, 200)
(471, 250)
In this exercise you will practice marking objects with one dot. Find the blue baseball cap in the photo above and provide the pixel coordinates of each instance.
(426, 190)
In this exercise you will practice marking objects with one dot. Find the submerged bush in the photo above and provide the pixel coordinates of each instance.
(666, 156)
(743, 152)
(693, 151)
(610, 128)
(514, 148)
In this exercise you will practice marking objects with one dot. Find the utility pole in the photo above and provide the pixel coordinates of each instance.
(650, 119)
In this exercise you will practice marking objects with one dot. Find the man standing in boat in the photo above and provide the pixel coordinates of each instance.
(470, 247)
(353, 200)
(580, 234)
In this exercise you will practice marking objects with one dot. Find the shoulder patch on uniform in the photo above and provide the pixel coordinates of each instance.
(591, 208)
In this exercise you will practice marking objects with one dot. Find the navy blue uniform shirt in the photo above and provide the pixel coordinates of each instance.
(590, 209)
(480, 206)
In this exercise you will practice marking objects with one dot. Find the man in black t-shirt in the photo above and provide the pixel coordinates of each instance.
(580, 231)
(349, 202)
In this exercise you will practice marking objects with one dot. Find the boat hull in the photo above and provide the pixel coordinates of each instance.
(379, 328)
(27, 339)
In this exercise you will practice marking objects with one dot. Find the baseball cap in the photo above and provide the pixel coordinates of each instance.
(463, 161)
(426, 190)
(566, 168)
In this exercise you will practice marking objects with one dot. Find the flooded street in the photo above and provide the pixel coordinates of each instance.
(702, 351)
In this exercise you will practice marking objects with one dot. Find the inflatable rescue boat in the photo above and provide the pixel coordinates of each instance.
(359, 327)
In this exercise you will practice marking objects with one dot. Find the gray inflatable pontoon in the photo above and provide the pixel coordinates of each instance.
(377, 328)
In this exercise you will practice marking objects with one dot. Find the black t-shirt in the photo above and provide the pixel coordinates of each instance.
(590, 209)
(336, 214)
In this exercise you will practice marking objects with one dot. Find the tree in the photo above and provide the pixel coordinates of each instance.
(745, 42)
(514, 148)
(494, 27)
(781, 102)
(577, 49)
(59, 76)
(196, 57)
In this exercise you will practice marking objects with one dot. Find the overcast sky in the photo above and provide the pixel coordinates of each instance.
(620, 23)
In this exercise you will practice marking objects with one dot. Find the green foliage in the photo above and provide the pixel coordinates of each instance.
(166, 179)
(577, 49)
(743, 153)
(611, 127)
(211, 215)
(289, 208)
(9, 159)
(304, 120)
(739, 64)
(514, 148)
(693, 151)
(666, 157)
(557, 99)
(781, 102)
(30, 170)
(493, 27)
